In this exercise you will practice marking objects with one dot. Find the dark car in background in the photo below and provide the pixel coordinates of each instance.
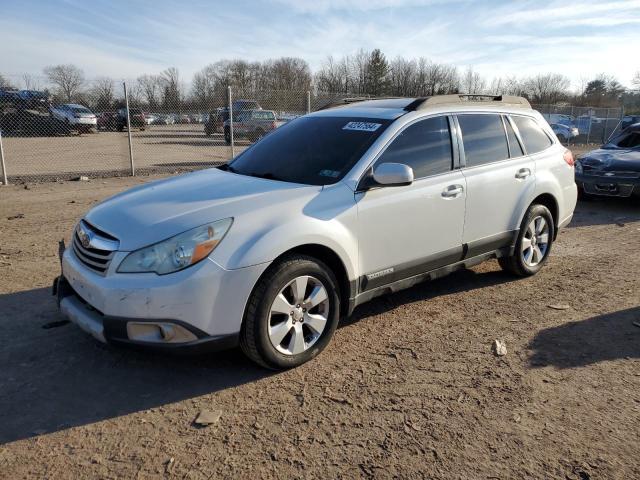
(251, 124)
(217, 118)
(26, 113)
(107, 120)
(136, 119)
(613, 170)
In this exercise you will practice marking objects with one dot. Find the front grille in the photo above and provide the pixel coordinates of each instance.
(96, 259)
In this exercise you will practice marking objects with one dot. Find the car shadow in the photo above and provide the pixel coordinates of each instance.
(606, 211)
(54, 376)
(461, 281)
(605, 337)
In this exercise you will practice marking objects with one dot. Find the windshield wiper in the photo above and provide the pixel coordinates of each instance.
(267, 175)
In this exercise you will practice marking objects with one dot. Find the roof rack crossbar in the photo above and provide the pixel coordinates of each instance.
(476, 98)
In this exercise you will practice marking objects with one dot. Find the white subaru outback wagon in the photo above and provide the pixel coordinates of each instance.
(321, 215)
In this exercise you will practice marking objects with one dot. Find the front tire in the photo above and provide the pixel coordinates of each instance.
(533, 244)
(291, 314)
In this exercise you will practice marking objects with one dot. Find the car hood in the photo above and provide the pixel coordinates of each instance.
(155, 211)
(613, 160)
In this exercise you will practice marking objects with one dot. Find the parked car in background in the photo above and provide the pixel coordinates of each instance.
(629, 120)
(251, 124)
(183, 119)
(333, 209)
(559, 118)
(613, 170)
(564, 132)
(107, 120)
(77, 117)
(149, 118)
(26, 112)
(136, 119)
(215, 122)
(240, 105)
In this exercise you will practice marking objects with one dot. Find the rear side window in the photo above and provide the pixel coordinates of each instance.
(534, 138)
(514, 145)
(425, 146)
(483, 138)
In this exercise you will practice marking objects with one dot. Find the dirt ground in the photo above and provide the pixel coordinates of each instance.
(408, 388)
(157, 148)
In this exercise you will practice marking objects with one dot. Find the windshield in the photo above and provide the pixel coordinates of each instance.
(310, 150)
(625, 140)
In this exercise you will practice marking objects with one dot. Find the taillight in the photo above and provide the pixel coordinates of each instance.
(273, 125)
(568, 157)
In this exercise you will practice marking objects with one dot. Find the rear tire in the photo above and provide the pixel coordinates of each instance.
(280, 330)
(533, 244)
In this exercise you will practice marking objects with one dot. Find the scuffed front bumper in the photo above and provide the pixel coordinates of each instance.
(200, 307)
(609, 186)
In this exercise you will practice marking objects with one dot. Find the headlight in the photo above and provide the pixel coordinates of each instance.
(578, 166)
(179, 252)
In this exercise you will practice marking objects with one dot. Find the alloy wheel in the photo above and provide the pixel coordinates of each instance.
(535, 242)
(298, 315)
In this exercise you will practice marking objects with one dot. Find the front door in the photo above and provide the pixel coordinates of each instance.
(408, 230)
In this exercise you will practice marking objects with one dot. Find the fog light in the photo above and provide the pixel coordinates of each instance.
(160, 332)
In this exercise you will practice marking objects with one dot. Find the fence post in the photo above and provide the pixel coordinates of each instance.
(308, 101)
(229, 98)
(4, 167)
(126, 101)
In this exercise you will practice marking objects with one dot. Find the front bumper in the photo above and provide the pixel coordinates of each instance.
(201, 306)
(609, 186)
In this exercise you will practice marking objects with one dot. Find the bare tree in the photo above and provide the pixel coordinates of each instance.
(5, 84)
(68, 80)
(635, 81)
(171, 88)
(203, 88)
(547, 88)
(149, 89)
(30, 82)
(102, 93)
(402, 77)
(472, 82)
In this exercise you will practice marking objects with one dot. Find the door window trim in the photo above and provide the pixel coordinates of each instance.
(553, 138)
(506, 118)
(455, 157)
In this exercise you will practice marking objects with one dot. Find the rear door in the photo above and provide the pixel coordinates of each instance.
(408, 230)
(500, 180)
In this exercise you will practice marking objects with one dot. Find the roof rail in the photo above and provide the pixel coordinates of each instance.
(349, 100)
(511, 100)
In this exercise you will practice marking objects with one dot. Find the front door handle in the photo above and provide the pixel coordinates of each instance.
(523, 173)
(452, 191)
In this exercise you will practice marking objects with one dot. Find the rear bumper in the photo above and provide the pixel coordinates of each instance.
(609, 186)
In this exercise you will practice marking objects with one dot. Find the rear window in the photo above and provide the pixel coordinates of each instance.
(483, 138)
(534, 138)
(80, 110)
(310, 150)
(627, 140)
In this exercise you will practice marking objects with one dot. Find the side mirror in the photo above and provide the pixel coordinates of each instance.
(393, 174)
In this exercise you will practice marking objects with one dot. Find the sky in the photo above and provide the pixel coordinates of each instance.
(124, 39)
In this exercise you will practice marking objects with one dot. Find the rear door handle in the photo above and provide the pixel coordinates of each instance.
(452, 191)
(523, 173)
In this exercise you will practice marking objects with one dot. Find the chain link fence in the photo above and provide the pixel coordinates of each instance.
(45, 140)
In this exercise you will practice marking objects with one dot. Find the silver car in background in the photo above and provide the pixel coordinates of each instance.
(323, 214)
(77, 117)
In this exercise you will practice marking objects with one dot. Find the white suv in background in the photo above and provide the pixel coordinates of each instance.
(321, 215)
(77, 117)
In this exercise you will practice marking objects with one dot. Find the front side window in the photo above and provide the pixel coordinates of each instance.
(484, 138)
(425, 146)
(534, 138)
(630, 139)
(310, 150)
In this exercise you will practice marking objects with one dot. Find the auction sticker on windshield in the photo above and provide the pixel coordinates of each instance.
(362, 126)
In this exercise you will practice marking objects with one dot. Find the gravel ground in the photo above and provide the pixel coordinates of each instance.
(409, 387)
(157, 148)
